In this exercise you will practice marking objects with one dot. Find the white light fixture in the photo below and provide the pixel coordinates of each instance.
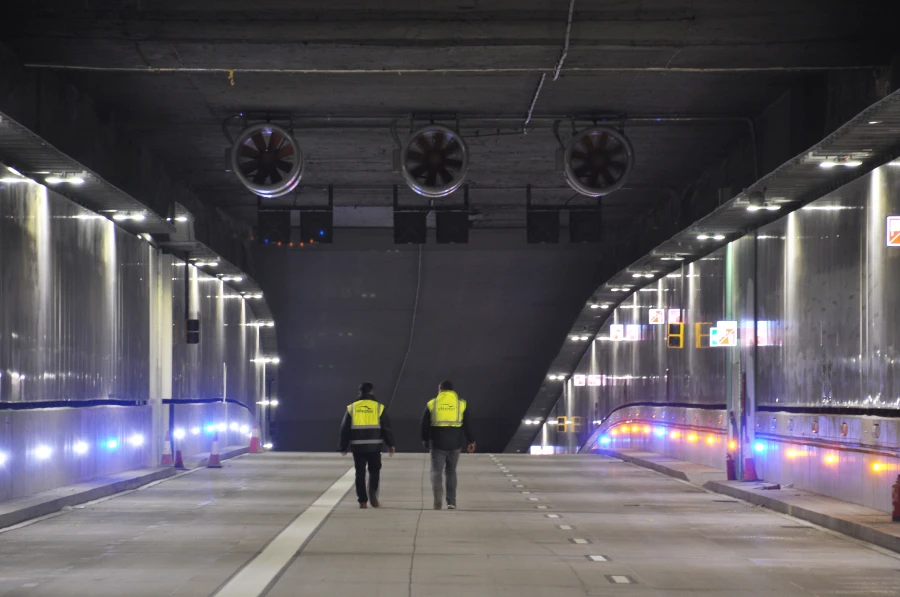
(13, 180)
(121, 217)
(273, 403)
(595, 306)
(772, 207)
(80, 447)
(179, 433)
(181, 218)
(43, 452)
(637, 275)
(73, 180)
(234, 426)
(702, 237)
(719, 237)
(221, 427)
(604, 306)
(3, 458)
(206, 264)
(585, 338)
(754, 207)
(195, 431)
(676, 258)
(232, 278)
(828, 164)
(245, 428)
(267, 446)
(136, 440)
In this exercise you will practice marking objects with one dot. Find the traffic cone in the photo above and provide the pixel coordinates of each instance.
(214, 460)
(255, 447)
(179, 461)
(167, 451)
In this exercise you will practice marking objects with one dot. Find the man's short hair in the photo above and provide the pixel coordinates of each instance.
(446, 386)
(365, 388)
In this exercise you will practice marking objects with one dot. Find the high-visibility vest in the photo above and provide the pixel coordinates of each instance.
(447, 410)
(365, 422)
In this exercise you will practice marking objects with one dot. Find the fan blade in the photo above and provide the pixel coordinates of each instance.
(285, 166)
(580, 155)
(275, 175)
(451, 148)
(602, 140)
(260, 177)
(445, 175)
(451, 163)
(415, 155)
(588, 142)
(608, 177)
(422, 142)
(259, 141)
(594, 178)
(248, 152)
(582, 170)
(418, 171)
(275, 141)
(285, 151)
(439, 139)
(431, 178)
(248, 167)
(620, 165)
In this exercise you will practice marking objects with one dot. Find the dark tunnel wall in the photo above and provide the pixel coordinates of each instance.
(491, 316)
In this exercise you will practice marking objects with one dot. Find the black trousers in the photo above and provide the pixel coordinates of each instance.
(373, 461)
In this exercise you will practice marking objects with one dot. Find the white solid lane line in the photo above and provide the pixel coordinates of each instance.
(254, 578)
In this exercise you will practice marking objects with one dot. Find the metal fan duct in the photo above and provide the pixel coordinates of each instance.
(434, 161)
(598, 161)
(267, 160)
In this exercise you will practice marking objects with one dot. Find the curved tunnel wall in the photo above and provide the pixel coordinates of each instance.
(817, 308)
(89, 314)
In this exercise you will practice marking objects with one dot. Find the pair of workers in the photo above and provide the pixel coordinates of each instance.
(444, 426)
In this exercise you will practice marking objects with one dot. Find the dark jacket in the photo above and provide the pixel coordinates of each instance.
(387, 433)
(446, 438)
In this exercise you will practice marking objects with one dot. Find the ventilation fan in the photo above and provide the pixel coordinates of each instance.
(598, 161)
(267, 160)
(434, 161)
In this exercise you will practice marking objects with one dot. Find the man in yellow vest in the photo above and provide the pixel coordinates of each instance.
(364, 430)
(445, 424)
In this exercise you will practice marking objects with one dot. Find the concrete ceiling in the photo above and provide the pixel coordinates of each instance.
(170, 72)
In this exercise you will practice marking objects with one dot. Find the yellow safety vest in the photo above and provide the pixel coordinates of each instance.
(365, 422)
(447, 410)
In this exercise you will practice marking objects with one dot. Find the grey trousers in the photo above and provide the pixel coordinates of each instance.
(444, 462)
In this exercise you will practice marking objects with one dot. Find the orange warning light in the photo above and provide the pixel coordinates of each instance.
(732, 445)
(710, 440)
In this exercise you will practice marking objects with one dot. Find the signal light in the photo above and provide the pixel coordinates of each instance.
(710, 440)
(831, 459)
(605, 440)
(692, 437)
(674, 435)
(759, 447)
(878, 467)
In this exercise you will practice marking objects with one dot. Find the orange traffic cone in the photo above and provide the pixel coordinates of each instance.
(255, 447)
(214, 460)
(167, 451)
(179, 461)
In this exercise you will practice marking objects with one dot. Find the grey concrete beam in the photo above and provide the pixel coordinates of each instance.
(70, 121)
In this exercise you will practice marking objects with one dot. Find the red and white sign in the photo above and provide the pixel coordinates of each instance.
(579, 380)
(632, 332)
(893, 231)
(593, 380)
(617, 332)
(657, 317)
(675, 316)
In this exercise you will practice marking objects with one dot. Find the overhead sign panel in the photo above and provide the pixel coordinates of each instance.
(632, 332)
(593, 380)
(657, 316)
(579, 380)
(675, 316)
(893, 231)
(724, 334)
(617, 332)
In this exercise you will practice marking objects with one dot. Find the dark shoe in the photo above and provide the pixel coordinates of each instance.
(363, 505)
(375, 502)
(437, 506)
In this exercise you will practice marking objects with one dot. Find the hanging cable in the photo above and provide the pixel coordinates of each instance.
(565, 51)
(534, 100)
(412, 329)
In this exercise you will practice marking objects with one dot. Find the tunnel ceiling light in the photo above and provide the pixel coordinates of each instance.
(72, 180)
(221, 427)
(234, 426)
(195, 431)
(595, 306)
(232, 279)
(80, 447)
(833, 163)
(112, 444)
(267, 360)
(179, 433)
(181, 218)
(267, 446)
(122, 217)
(273, 402)
(672, 258)
(206, 264)
(43, 452)
(245, 428)
(3, 458)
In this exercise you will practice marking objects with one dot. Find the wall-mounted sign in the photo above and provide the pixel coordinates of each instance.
(893, 231)
(675, 316)
(593, 380)
(617, 332)
(724, 334)
(657, 316)
(632, 332)
(579, 380)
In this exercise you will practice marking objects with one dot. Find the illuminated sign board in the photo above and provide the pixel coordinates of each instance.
(893, 231)
(724, 334)
(593, 380)
(579, 380)
(632, 332)
(657, 316)
(675, 316)
(617, 332)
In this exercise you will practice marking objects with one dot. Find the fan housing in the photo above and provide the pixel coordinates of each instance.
(598, 161)
(434, 161)
(267, 160)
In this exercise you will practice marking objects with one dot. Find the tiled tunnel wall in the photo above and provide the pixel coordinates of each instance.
(91, 313)
(817, 308)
